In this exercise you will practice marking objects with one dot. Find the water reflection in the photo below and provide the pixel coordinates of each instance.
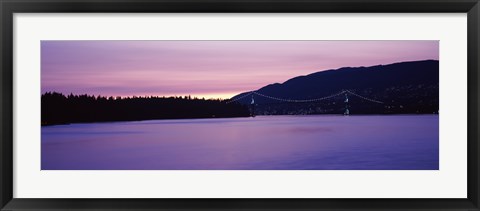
(404, 142)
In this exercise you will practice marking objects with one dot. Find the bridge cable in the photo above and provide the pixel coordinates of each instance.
(239, 98)
(371, 100)
(303, 100)
(299, 101)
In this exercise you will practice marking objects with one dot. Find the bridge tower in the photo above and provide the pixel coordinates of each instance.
(252, 107)
(347, 112)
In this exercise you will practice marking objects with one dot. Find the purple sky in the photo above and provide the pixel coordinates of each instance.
(206, 68)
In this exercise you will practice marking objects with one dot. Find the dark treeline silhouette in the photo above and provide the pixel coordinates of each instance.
(60, 109)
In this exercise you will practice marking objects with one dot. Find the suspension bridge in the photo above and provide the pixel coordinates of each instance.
(344, 92)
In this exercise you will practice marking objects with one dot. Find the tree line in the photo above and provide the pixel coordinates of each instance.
(58, 108)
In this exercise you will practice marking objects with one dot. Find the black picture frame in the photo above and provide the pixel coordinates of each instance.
(9, 7)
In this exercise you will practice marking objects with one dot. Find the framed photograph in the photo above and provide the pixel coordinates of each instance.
(228, 105)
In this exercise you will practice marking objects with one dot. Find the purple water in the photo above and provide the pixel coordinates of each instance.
(403, 142)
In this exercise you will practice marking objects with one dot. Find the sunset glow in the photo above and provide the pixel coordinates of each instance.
(210, 69)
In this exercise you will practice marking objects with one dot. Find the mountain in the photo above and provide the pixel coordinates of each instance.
(405, 87)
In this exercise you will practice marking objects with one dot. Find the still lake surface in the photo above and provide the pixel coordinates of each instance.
(317, 142)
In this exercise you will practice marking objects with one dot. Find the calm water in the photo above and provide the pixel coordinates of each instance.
(263, 142)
